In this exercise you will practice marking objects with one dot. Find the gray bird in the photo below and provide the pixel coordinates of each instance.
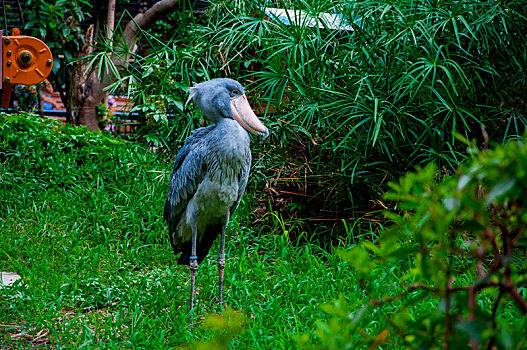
(210, 174)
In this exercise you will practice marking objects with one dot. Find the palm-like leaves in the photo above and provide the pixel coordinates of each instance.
(376, 100)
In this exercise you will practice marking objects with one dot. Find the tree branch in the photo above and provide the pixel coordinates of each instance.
(130, 36)
(147, 19)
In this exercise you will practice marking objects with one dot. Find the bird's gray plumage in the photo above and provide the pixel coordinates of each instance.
(210, 171)
(219, 170)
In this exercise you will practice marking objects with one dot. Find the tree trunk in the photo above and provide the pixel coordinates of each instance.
(86, 93)
(110, 26)
(110, 19)
(83, 91)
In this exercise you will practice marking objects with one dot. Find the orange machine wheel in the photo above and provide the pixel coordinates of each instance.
(26, 60)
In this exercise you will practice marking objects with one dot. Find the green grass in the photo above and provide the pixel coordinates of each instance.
(81, 222)
(84, 230)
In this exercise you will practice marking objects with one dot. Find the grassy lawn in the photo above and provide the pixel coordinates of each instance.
(81, 222)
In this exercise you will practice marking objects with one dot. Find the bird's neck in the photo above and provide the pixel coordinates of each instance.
(229, 149)
(230, 139)
(230, 127)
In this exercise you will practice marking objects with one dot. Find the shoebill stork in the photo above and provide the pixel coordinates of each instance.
(210, 174)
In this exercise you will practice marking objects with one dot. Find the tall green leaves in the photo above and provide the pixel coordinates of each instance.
(396, 86)
(358, 92)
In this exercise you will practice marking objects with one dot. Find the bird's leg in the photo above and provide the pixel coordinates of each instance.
(221, 260)
(193, 264)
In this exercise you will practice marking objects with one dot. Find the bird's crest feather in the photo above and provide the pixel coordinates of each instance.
(192, 92)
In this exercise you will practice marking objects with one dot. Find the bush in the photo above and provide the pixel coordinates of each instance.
(42, 162)
(460, 244)
(349, 110)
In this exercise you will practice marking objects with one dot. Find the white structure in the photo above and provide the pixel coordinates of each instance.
(8, 278)
(301, 18)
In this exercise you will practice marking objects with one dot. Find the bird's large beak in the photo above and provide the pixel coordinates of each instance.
(244, 115)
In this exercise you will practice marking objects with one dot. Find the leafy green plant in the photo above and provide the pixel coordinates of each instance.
(350, 106)
(157, 82)
(57, 24)
(227, 325)
(463, 241)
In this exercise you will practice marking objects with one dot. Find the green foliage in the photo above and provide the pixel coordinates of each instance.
(57, 24)
(463, 241)
(228, 325)
(348, 110)
(43, 161)
(157, 81)
(81, 222)
(45, 153)
(25, 98)
(391, 93)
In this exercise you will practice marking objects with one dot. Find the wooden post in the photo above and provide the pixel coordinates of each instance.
(1, 66)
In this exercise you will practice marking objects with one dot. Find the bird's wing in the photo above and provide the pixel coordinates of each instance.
(187, 174)
(244, 176)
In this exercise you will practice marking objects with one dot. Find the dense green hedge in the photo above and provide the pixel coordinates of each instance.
(349, 110)
(43, 156)
(462, 242)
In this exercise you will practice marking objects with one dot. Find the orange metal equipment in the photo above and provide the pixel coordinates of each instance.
(24, 60)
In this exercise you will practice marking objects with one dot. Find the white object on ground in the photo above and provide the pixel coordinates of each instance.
(8, 278)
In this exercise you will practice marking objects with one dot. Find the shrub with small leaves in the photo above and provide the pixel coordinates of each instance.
(224, 327)
(458, 243)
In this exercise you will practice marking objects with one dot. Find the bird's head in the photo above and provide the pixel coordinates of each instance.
(225, 98)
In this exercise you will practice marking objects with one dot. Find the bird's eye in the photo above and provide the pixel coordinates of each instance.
(235, 92)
